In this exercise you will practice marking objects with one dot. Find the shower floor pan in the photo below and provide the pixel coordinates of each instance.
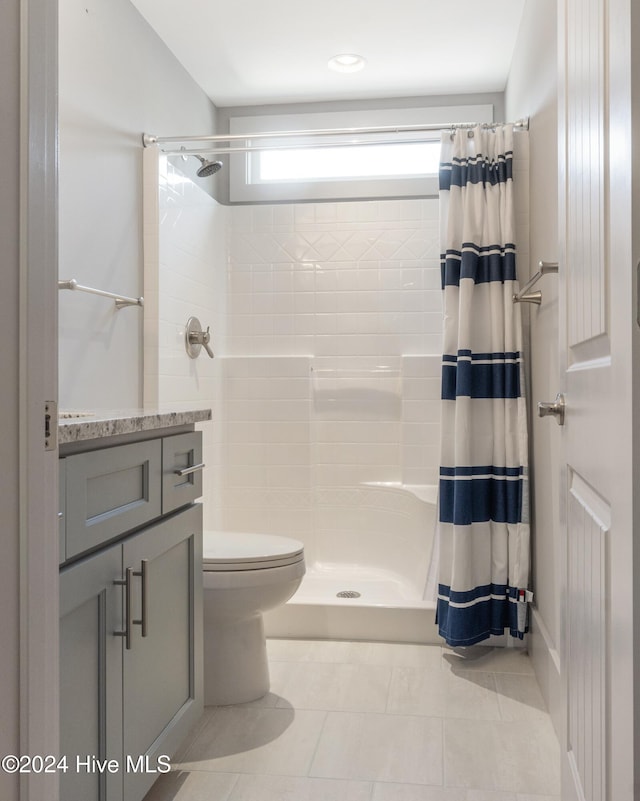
(385, 609)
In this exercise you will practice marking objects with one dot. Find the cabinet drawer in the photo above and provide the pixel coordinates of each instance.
(110, 492)
(179, 454)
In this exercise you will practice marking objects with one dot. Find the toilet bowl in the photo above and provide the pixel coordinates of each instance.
(244, 575)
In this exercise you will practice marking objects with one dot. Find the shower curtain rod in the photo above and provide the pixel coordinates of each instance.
(222, 151)
(149, 140)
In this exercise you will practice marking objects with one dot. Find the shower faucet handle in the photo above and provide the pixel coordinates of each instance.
(196, 338)
(206, 337)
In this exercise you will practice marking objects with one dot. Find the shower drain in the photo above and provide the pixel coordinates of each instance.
(347, 594)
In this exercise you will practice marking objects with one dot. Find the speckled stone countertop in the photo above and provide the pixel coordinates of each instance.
(82, 425)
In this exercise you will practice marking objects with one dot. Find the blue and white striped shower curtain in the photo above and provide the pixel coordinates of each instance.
(483, 529)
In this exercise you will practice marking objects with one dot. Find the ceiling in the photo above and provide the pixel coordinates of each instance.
(253, 52)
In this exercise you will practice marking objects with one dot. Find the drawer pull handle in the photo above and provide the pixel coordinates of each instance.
(126, 583)
(187, 471)
(143, 618)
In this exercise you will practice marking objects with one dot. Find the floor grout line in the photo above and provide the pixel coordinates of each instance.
(388, 666)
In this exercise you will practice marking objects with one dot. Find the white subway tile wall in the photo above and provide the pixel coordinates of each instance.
(332, 375)
(335, 279)
(187, 276)
(185, 257)
(326, 322)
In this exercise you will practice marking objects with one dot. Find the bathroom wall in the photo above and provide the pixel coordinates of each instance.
(333, 311)
(532, 90)
(304, 443)
(320, 382)
(117, 80)
(185, 244)
(185, 275)
(335, 279)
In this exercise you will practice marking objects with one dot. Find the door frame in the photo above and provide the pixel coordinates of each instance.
(38, 383)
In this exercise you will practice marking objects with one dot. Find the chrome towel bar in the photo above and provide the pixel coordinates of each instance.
(121, 300)
(525, 295)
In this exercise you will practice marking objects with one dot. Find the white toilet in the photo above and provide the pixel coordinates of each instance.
(243, 576)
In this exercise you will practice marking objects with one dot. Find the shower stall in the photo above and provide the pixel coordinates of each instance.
(326, 323)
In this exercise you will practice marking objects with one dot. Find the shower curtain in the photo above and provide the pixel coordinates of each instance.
(483, 530)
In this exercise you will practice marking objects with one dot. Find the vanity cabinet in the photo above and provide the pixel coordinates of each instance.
(130, 613)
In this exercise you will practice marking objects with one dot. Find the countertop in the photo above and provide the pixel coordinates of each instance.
(75, 426)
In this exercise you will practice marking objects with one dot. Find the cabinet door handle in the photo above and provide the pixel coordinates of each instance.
(126, 583)
(144, 597)
(186, 471)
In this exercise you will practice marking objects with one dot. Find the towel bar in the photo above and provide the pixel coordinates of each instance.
(121, 300)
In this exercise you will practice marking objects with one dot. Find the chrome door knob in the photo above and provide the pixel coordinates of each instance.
(555, 409)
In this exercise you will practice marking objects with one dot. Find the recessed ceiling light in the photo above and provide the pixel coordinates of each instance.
(346, 62)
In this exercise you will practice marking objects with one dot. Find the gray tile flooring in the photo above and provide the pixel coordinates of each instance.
(353, 721)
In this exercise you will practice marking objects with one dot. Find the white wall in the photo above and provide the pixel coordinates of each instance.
(532, 91)
(335, 279)
(350, 287)
(332, 307)
(185, 233)
(117, 80)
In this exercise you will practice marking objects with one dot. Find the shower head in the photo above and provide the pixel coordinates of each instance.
(208, 167)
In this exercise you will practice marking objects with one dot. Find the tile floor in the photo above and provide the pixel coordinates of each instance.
(353, 721)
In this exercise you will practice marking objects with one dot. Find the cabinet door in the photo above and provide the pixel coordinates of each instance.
(162, 672)
(91, 676)
(62, 510)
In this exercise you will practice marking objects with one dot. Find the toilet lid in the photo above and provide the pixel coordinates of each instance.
(234, 550)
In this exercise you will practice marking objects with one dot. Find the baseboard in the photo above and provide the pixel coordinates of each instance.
(546, 664)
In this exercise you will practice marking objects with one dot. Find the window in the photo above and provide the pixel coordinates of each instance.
(330, 172)
(408, 159)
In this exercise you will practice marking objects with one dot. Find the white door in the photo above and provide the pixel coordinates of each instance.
(596, 358)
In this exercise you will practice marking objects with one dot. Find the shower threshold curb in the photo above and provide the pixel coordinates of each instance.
(342, 621)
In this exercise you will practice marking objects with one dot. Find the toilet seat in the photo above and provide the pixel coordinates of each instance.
(235, 551)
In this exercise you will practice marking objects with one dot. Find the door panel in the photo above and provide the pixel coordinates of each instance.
(596, 367)
(586, 171)
(588, 524)
(587, 346)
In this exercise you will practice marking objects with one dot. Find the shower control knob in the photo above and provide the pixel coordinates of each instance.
(555, 409)
(196, 338)
(206, 336)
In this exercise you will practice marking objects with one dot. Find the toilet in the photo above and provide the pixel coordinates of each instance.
(244, 575)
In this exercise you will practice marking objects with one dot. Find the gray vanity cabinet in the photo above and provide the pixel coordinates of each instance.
(131, 636)
(91, 676)
(162, 673)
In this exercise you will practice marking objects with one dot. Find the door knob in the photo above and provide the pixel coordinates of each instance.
(555, 409)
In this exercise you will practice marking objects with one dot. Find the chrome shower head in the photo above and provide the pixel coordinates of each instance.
(208, 167)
